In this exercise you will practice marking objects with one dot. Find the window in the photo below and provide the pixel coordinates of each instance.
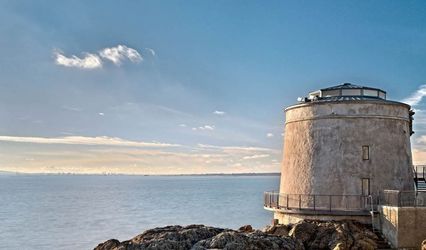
(370, 92)
(365, 182)
(366, 152)
(355, 92)
(334, 92)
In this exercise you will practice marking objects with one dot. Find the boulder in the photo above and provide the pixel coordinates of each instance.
(246, 228)
(109, 244)
(279, 229)
(303, 231)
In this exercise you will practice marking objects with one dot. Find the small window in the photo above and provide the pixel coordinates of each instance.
(350, 92)
(366, 152)
(370, 92)
(365, 186)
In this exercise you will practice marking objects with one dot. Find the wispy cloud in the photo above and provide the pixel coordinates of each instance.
(89, 61)
(269, 135)
(237, 148)
(205, 127)
(151, 51)
(218, 112)
(130, 157)
(252, 157)
(115, 54)
(416, 97)
(83, 140)
(119, 53)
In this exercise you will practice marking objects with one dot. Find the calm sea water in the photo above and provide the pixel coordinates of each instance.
(78, 212)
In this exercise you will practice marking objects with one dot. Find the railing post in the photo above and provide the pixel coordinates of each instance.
(278, 200)
(300, 201)
(399, 199)
(329, 201)
(287, 201)
(314, 203)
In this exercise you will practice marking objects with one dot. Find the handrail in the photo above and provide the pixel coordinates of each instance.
(419, 170)
(316, 202)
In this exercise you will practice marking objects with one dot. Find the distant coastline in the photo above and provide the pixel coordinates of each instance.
(112, 174)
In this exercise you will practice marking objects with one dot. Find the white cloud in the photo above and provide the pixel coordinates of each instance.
(115, 54)
(182, 125)
(218, 112)
(83, 140)
(101, 114)
(119, 53)
(237, 148)
(421, 139)
(89, 61)
(269, 135)
(416, 97)
(206, 127)
(252, 157)
(152, 51)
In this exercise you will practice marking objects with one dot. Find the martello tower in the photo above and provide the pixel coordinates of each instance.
(342, 145)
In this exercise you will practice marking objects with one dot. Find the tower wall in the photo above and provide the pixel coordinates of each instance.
(323, 147)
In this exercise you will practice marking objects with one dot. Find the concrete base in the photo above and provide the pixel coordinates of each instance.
(404, 227)
(292, 218)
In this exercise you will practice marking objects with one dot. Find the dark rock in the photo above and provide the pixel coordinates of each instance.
(281, 230)
(109, 244)
(199, 237)
(246, 228)
(250, 241)
(333, 235)
(303, 231)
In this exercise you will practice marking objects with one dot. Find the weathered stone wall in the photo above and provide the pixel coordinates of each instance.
(404, 227)
(323, 147)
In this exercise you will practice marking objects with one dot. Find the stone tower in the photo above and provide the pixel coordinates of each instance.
(343, 145)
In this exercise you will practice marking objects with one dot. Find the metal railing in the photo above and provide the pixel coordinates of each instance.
(315, 202)
(419, 171)
(398, 198)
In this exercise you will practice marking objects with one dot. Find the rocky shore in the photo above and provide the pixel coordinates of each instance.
(303, 235)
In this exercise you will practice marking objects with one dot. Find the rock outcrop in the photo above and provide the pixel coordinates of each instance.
(303, 235)
(336, 235)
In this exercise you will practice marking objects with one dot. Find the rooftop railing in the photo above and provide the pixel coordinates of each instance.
(320, 203)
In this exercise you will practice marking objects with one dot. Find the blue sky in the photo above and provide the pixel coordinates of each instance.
(156, 113)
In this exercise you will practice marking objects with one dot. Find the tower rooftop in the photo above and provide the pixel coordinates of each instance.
(346, 91)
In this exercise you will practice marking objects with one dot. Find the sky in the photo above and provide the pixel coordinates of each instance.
(179, 87)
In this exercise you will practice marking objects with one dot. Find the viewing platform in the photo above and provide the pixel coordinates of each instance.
(318, 204)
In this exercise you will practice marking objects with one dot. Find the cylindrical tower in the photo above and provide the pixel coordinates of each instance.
(345, 141)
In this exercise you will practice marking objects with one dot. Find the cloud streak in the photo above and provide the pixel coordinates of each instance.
(119, 53)
(416, 97)
(89, 61)
(83, 140)
(252, 157)
(237, 148)
(218, 112)
(116, 55)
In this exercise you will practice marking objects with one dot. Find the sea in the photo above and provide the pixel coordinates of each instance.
(81, 211)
